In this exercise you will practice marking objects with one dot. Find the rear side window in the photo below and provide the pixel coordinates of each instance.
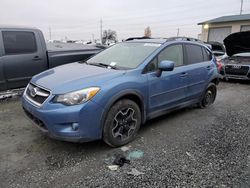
(173, 53)
(206, 55)
(19, 42)
(194, 54)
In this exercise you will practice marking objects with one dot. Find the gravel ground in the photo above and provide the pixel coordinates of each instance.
(187, 148)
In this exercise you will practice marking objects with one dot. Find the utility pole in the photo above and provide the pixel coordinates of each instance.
(49, 33)
(178, 32)
(101, 30)
(241, 7)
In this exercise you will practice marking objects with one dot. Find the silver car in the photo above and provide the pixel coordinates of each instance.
(237, 63)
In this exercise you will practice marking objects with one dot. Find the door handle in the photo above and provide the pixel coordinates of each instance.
(184, 74)
(36, 58)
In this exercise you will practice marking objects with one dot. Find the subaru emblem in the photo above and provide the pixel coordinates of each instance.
(34, 91)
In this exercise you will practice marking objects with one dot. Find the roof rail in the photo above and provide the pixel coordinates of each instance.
(189, 39)
(173, 39)
(137, 38)
(185, 38)
(168, 39)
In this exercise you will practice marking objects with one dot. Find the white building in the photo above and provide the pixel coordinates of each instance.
(219, 28)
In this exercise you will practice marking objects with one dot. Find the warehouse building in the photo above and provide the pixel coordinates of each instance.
(219, 28)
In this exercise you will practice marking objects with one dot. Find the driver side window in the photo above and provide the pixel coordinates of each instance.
(172, 53)
(153, 65)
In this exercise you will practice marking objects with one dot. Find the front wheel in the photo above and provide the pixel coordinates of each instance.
(122, 123)
(209, 96)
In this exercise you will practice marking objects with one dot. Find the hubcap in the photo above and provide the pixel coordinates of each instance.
(124, 124)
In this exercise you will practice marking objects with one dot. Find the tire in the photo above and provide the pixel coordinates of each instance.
(209, 96)
(122, 123)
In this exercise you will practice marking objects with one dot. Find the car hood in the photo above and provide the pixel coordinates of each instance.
(237, 43)
(74, 76)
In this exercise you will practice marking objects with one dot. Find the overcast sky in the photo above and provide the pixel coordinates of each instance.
(80, 19)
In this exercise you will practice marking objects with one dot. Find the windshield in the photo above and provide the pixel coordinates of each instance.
(124, 55)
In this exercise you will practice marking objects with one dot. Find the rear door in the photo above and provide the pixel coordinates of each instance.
(199, 64)
(169, 89)
(23, 57)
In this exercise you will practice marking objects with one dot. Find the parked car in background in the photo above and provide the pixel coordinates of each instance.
(24, 53)
(113, 93)
(237, 63)
(217, 49)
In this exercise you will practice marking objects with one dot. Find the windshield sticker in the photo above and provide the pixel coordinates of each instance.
(152, 44)
(113, 64)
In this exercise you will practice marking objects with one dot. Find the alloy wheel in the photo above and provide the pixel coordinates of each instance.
(124, 124)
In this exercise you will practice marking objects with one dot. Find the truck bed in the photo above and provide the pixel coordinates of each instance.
(24, 53)
(62, 53)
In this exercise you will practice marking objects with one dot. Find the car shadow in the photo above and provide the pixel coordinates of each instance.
(58, 154)
(100, 146)
(163, 119)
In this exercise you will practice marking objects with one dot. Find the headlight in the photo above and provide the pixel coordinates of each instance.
(77, 97)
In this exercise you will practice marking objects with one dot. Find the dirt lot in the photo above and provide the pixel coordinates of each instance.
(191, 147)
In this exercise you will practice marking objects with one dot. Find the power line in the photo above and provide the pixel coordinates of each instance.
(164, 25)
(150, 14)
(167, 22)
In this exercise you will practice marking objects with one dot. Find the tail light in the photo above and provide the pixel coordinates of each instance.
(219, 65)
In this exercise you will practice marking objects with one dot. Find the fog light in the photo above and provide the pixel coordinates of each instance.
(75, 126)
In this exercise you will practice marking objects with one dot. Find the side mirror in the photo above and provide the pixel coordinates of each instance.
(166, 65)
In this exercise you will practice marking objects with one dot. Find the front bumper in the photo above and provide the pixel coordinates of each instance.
(79, 123)
(237, 77)
(235, 74)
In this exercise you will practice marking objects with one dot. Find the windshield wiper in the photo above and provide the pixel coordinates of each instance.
(103, 65)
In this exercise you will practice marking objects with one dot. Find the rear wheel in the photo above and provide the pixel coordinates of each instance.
(122, 123)
(209, 96)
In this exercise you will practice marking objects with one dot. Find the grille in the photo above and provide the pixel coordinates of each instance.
(236, 70)
(36, 94)
(37, 121)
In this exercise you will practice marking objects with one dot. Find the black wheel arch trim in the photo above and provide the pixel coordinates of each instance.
(217, 78)
(121, 95)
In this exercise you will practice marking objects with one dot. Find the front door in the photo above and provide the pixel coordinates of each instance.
(169, 89)
(2, 79)
(23, 57)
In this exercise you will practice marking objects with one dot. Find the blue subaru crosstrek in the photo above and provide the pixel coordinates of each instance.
(113, 93)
